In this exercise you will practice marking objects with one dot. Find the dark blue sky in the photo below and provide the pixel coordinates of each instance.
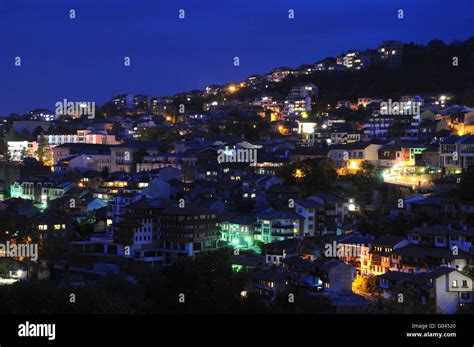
(82, 59)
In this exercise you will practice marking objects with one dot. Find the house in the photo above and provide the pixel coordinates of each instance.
(300, 272)
(355, 250)
(349, 157)
(333, 275)
(429, 247)
(313, 213)
(456, 153)
(269, 283)
(336, 209)
(276, 252)
(380, 254)
(238, 230)
(274, 225)
(77, 162)
(125, 156)
(52, 228)
(97, 153)
(445, 289)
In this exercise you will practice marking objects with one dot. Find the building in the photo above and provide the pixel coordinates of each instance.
(18, 150)
(456, 153)
(390, 54)
(181, 161)
(430, 247)
(380, 254)
(186, 232)
(355, 250)
(125, 156)
(101, 154)
(238, 230)
(276, 252)
(349, 157)
(313, 213)
(300, 101)
(274, 226)
(82, 136)
(444, 289)
(279, 74)
(334, 276)
(336, 209)
(269, 283)
(353, 60)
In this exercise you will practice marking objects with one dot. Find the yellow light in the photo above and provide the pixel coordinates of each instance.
(232, 88)
(353, 165)
(298, 173)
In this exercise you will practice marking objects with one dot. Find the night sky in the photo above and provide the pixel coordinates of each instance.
(82, 59)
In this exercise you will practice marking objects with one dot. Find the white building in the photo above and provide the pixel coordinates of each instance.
(82, 136)
(18, 150)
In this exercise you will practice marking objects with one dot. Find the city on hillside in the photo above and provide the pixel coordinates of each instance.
(344, 185)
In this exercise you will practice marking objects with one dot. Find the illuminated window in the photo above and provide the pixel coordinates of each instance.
(43, 227)
(57, 226)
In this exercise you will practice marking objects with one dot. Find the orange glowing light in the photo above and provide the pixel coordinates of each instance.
(353, 165)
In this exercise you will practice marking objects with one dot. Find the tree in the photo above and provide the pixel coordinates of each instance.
(466, 187)
(12, 135)
(310, 175)
(44, 153)
(117, 128)
(24, 153)
(468, 271)
(365, 284)
(405, 299)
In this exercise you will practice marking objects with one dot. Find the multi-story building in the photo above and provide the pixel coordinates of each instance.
(39, 191)
(353, 60)
(300, 101)
(42, 115)
(82, 136)
(187, 232)
(313, 214)
(100, 153)
(456, 153)
(122, 102)
(380, 255)
(401, 122)
(279, 74)
(238, 231)
(390, 53)
(182, 161)
(430, 247)
(348, 158)
(277, 226)
(444, 289)
(355, 250)
(336, 209)
(18, 150)
(116, 207)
